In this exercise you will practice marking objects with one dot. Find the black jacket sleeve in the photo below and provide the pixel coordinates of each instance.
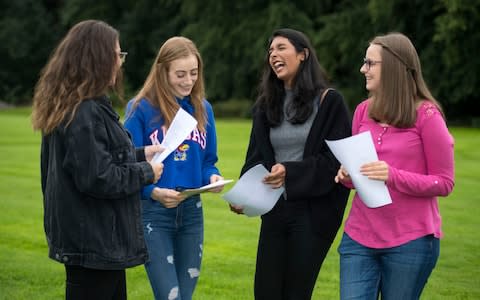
(44, 154)
(140, 154)
(260, 150)
(254, 155)
(101, 158)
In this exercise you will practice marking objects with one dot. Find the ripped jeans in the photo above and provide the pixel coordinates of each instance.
(174, 238)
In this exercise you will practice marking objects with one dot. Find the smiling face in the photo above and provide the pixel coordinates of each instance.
(285, 60)
(182, 75)
(372, 72)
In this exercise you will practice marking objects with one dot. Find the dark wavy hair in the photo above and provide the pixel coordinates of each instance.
(309, 82)
(82, 66)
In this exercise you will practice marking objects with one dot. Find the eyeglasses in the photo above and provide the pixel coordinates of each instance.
(123, 56)
(368, 63)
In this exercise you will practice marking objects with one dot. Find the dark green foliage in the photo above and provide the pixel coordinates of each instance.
(456, 76)
(232, 36)
(27, 35)
(233, 108)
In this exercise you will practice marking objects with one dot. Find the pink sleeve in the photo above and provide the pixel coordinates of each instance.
(357, 117)
(438, 155)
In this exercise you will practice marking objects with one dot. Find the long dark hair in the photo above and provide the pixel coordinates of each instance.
(310, 81)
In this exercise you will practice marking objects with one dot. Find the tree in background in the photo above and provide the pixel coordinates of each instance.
(27, 36)
(234, 50)
(455, 67)
(231, 36)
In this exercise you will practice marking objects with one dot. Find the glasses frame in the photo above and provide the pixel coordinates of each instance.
(123, 56)
(368, 63)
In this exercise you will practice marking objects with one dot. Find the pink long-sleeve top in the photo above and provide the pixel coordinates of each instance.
(421, 167)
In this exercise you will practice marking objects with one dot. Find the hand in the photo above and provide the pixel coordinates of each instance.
(276, 177)
(151, 150)
(342, 175)
(236, 209)
(168, 197)
(157, 171)
(215, 178)
(377, 170)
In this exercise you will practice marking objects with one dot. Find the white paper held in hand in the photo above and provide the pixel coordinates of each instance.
(206, 188)
(255, 197)
(182, 125)
(352, 153)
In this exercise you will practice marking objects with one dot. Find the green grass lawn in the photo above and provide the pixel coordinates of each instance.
(230, 240)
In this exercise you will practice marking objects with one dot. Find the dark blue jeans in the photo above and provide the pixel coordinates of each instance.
(174, 238)
(290, 253)
(393, 273)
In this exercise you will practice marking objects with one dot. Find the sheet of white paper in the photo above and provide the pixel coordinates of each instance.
(256, 197)
(353, 152)
(182, 125)
(205, 188)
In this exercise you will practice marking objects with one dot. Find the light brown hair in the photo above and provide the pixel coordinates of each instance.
(401, 83)
(160, 93)
(82, 66)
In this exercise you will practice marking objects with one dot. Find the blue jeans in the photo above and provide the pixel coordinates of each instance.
(174, 238)
(394, 273)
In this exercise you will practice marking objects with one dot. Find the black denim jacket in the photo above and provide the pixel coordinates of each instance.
(91, 184)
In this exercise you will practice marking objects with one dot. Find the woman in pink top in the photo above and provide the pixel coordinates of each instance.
(391, 250)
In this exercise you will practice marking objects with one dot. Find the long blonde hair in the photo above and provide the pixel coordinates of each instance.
(81, 67)
(401, 82)
(159, 92)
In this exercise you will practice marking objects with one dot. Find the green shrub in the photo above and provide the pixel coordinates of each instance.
(233, 108)
(476, 122)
